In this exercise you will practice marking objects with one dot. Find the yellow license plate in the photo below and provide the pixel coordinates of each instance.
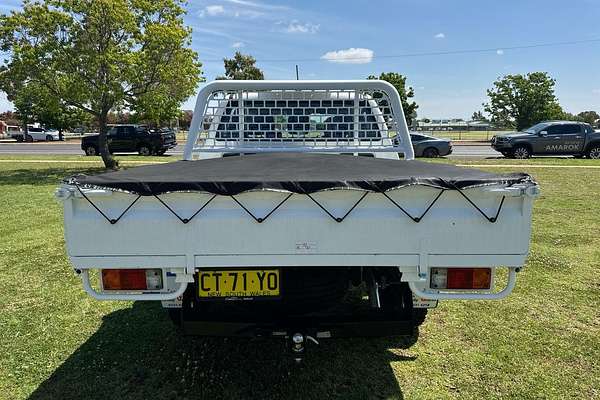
(238, 283)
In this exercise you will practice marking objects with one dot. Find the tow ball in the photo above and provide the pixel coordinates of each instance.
(298, 345)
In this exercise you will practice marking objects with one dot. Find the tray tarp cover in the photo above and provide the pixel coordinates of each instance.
(292, 172)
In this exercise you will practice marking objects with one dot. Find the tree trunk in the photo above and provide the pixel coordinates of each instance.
(107, 158)
(25, 122)
(60, 135)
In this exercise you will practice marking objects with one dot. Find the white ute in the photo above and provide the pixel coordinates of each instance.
(293, 215)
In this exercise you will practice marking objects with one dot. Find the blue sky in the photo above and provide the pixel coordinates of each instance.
(351, 39)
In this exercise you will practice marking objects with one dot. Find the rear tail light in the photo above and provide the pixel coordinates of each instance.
(132, 279)
(461, 278)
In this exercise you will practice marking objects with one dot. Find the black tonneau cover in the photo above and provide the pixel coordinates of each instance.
(291, 172)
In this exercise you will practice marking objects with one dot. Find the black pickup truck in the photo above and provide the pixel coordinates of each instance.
(132, 138)
(550, 138)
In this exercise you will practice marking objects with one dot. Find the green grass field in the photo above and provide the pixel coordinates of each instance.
(541, 342)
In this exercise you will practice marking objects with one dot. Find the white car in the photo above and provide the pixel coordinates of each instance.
(41, 134)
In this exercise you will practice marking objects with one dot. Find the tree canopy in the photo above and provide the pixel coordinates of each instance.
(478, 116)
(520, 101)
(241, 67)
(34, 103)
(102, 55)
(406, 93)
(591, 117)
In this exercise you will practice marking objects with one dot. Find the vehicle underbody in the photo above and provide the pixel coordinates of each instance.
(315, 303)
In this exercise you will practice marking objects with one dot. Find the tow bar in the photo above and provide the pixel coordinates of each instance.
(298, 345)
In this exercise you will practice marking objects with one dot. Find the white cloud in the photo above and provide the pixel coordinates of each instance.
(297, 27)
(216, 32)
(440, 35)
(255, 4)
(349, 56)
(249, 14)
(596, 91)
(500, 52)
(212, 10)
(237, 45)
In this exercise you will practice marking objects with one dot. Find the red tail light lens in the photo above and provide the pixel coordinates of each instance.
(132, 279)
(461, 278)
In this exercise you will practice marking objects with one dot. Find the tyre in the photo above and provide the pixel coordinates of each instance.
(593, 152)
(20, 138)
(160, 152)
(521, 152)
(144, 150)
(49, 138)
(91, 151)
(431, 152)
(29, 138)
(418, 316)
(397, 299)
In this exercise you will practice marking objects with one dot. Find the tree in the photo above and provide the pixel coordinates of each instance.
(57, 115)
(102, 55)
(241, 67)
(9, 117)
(22, 96)
(185, 119)
(478, 116)
(399, 82)
(520, 101)
(589, 116)
(34, 103)
(52, 112)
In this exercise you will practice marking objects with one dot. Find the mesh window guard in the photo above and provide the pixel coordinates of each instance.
(290, 116)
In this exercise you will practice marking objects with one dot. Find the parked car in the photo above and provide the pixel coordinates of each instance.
(40, 135)
(550, 138)
(429, 146)
(132, 138)
(14, 132)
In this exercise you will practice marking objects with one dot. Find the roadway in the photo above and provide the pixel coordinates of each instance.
(44, 148)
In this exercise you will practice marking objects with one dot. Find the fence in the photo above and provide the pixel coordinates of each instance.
(463, 135)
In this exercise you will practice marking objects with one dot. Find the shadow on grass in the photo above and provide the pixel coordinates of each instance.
(137, 354)
(42, 176)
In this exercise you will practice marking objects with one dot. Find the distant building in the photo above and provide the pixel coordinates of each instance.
(453, 125)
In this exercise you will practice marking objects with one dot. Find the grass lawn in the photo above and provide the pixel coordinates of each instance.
(541, 342)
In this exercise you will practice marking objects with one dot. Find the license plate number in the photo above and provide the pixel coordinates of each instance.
(238, 283)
